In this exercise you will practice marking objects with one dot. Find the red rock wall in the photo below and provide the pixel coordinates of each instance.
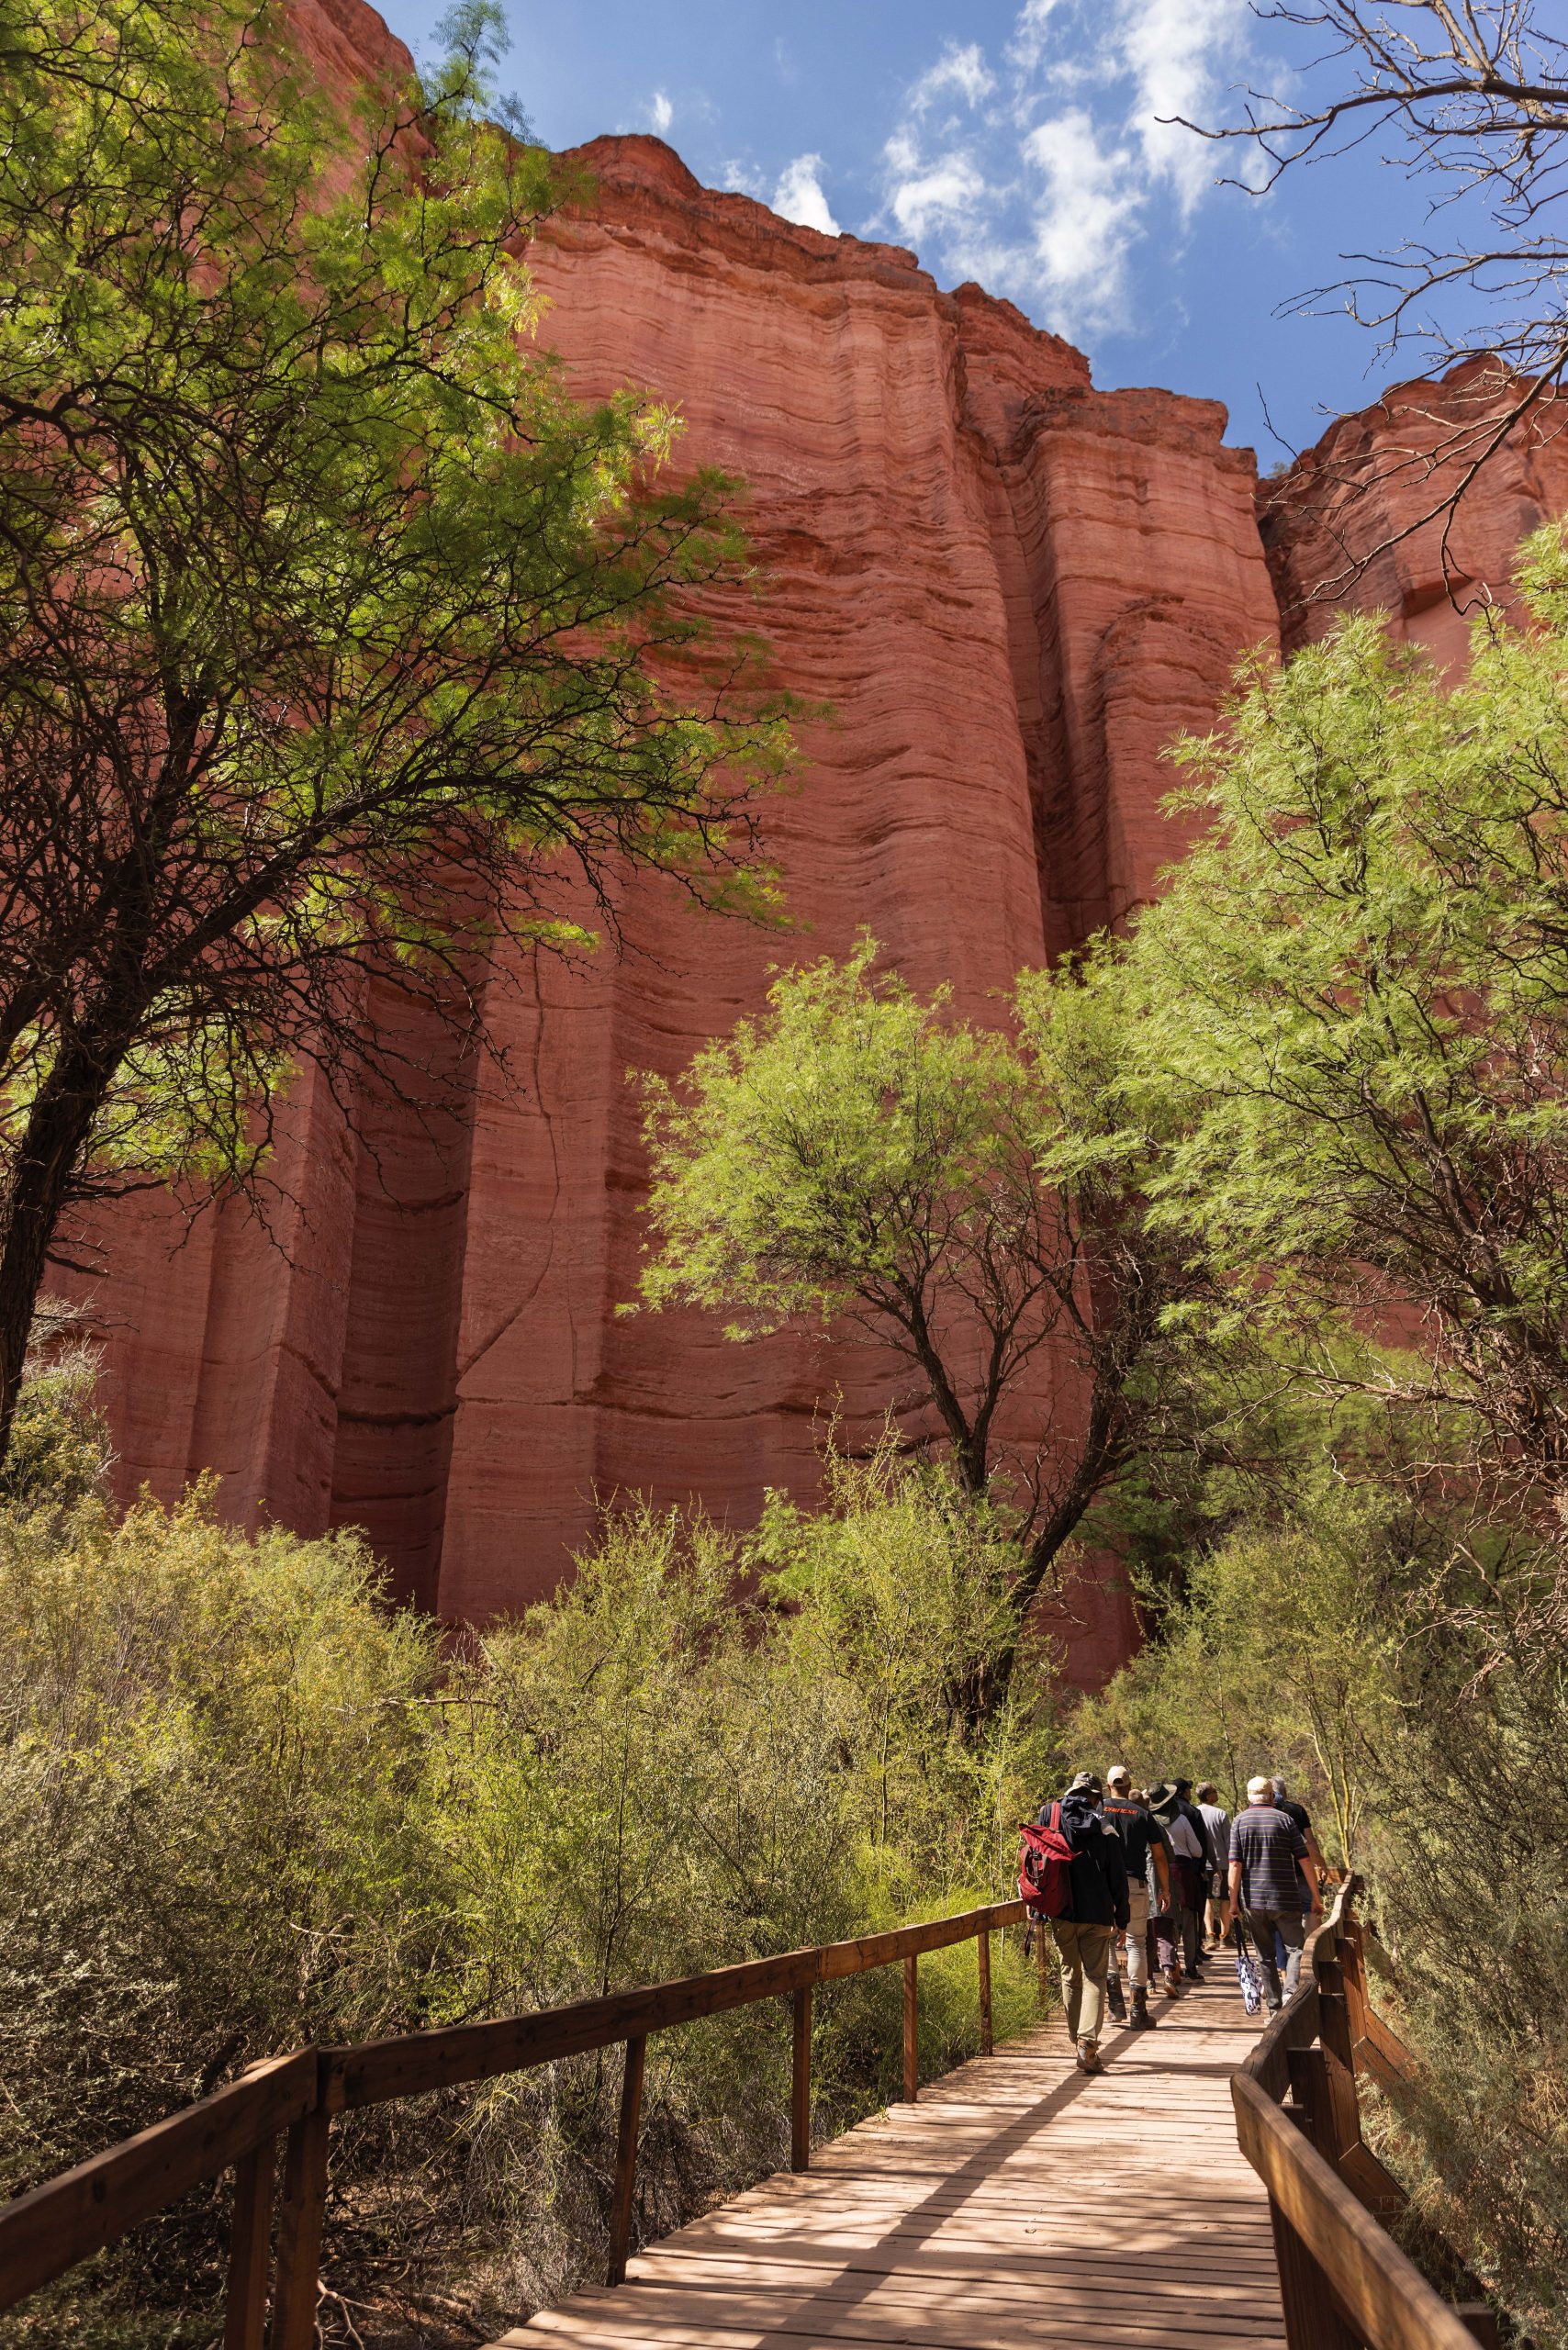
(1371, 510)
(1012, 589)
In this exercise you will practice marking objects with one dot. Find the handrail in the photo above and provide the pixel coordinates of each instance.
(65, 2219)
(1344, 2282)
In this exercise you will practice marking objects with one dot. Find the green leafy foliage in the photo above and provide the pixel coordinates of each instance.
(967, 1198)
(1353, 1003)
(339, 643)
(1347, 1030)
(251, 1805)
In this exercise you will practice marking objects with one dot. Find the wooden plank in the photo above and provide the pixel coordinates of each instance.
(416, 2063)
(1017, 2206)
(1311, 2320)
(1380, 2052)
(250, 2249)
(1295, 2026)
(626, 2157)
(301, 2214)
(1092, 2281)
(800, 2081)
(47, 2230)
(1384, 2294)
(648, 2317)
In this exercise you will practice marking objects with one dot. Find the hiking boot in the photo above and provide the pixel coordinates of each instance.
(1140, 2020)
(1113, 1998)
(1089, 2057)
(1173, 1981)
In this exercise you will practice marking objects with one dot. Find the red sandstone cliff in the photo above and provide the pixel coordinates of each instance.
(1376, 509)
(1013, 589)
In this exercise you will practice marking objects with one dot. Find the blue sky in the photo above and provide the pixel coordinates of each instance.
(1013, 142)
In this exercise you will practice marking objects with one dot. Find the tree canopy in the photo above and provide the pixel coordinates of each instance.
(1352, 1006)
(335, 640)
(860, 1156)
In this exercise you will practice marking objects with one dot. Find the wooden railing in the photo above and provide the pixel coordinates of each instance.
(1345, 2282)
(276, 2235)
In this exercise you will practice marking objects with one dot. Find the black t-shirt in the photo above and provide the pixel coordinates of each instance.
(1136, 1830)
(1297, 1812)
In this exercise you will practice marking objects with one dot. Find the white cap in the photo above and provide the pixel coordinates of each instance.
(1119, 1776)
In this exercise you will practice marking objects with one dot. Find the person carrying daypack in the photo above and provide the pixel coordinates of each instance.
(1096, 1907)
(1149, 1884)
(1189, 1844)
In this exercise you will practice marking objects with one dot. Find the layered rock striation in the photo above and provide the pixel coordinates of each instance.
(1012, 590)
(1416, 507)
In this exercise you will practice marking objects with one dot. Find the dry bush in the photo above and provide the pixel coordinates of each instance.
(251, 1805)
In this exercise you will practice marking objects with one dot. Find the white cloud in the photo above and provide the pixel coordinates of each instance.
(1027, 45)
(1068, 159)
(1176, 51)
(799, 195)
(964, 71)
(742, 179)
(947, 193)
(661, 113)
(1085, 218)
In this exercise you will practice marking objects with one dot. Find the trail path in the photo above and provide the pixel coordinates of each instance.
(1018, 2203)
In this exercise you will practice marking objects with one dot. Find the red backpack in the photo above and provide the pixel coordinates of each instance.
(1044, 1868)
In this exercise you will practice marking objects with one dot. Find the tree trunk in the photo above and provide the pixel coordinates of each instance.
(1104, 1452)
(48, 1157)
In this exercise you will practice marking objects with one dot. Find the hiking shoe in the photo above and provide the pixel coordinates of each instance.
(1173, 1981)
(1140, 2020)
(1114, 1999)
(1089, 2057)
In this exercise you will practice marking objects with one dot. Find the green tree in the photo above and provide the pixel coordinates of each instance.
(336, 643)
(967, 1199)
(1352, 1007)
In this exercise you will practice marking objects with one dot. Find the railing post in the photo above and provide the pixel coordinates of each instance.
(626, 2159)
(1042, 1963)
(250, 2248)
(983, 1961)
(800, 2081)
(1326, 2094)
(911, 2030)
(1311, 2316)
(1334, 2026)
(299, 2285)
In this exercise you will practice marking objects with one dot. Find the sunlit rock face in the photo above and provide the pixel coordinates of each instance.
(1012, 590)
(1380, 515)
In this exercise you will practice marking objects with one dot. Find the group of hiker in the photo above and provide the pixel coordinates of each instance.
(1158, 1881)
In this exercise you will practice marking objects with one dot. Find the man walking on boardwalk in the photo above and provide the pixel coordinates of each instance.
(1148, 1875)
(1187, 1837)
(1098, 1906)
(1217, 1820)
(1265, 1846)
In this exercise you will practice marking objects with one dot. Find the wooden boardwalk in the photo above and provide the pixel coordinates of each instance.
(1018, 2203)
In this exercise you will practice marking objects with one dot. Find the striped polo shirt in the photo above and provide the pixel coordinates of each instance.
(1268, 1845)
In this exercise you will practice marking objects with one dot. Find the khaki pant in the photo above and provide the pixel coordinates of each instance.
(1084, 1951)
